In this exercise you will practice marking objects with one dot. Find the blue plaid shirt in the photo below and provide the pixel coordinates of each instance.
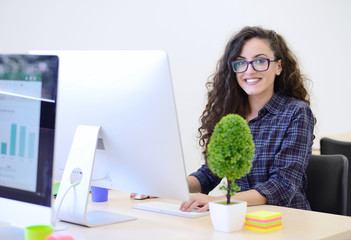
(283, 137)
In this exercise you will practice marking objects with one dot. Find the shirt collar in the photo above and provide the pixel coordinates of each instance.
(274, 105)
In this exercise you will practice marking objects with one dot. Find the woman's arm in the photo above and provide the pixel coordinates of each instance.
(252, 197)
(286, 181)
(194, 184)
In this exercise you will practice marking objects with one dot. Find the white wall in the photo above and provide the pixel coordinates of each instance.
(194, 33)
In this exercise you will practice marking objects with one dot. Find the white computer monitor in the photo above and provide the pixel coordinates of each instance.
(129, 95)
(28, 87)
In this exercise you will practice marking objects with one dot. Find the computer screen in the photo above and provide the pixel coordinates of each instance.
(28, 86)
(129, 95)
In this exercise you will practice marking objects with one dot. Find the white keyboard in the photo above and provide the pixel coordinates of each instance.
(168, 208)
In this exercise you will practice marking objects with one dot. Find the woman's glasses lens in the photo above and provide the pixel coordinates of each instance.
(240, 66)
(260, 64)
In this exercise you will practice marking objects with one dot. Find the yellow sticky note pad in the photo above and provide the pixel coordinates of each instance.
(264, 215)
(263, 221)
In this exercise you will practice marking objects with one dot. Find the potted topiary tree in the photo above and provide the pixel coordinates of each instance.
(229, 155)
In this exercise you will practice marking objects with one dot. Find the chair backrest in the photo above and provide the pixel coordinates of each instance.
(331, 146)
(327, 183)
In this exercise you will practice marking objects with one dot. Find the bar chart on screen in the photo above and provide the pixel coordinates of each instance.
(19, 128)
(20, 143)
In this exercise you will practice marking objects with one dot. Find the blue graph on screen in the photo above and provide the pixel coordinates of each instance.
(21, 143)
(19, 133)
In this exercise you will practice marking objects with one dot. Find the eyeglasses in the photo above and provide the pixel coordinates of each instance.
(260, 65)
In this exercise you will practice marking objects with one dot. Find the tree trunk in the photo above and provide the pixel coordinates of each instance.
(228, 191)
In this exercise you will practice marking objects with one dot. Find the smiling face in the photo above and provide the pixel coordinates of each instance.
(258, 84)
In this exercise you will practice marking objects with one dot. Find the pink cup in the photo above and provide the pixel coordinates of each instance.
(59, 237)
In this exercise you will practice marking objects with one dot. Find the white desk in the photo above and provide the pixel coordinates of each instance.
(297, 224)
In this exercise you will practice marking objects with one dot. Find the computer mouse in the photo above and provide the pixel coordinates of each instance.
(140, 197)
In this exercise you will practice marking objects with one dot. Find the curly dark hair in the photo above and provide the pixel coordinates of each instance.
(226, 96)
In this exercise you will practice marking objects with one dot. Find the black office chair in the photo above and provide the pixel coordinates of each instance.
(327, 183)
(331, 146)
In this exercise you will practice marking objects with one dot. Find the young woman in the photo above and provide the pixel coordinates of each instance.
(258, 78)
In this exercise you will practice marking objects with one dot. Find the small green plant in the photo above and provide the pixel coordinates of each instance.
(230, 151)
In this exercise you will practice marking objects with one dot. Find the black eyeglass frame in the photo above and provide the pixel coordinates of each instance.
(269, 60)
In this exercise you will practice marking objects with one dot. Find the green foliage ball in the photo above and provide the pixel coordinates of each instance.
(231, 148)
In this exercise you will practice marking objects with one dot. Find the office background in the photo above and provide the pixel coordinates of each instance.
(194, 33)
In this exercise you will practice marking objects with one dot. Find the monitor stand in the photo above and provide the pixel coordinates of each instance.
(72, 197)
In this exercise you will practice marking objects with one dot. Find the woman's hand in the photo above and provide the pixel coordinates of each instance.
(199, 201)
(140, 196)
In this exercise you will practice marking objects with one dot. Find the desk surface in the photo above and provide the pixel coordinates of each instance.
(297, 224)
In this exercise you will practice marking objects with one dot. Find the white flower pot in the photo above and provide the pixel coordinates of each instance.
(228, 218)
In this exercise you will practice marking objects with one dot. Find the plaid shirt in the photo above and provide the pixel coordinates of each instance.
(283, 137)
